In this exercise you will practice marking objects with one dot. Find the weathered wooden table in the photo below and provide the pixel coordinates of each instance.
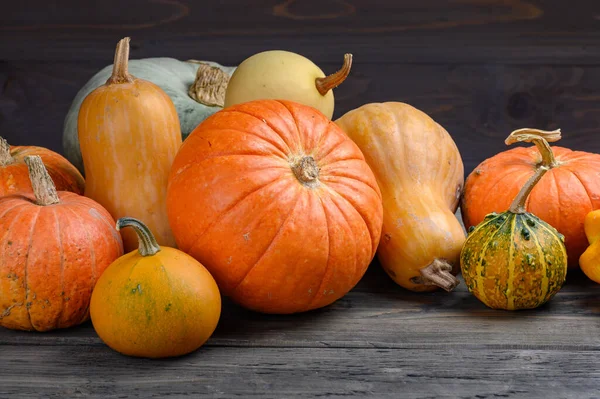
(481, 68)
(378, 341)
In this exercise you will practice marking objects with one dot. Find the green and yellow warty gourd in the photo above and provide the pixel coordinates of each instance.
(514, 260)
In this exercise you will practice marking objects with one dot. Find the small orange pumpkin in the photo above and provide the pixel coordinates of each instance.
(14, 176)
(562, 198)
(154, 301)
(53, 249)
(278, 204)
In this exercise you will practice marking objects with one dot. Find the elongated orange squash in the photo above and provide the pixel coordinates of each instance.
(420, 173)
(129, 134)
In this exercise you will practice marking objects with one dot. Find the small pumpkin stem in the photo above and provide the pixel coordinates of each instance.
(334, 80)
(210, 85)
(120, 72)
(148, 245)
(540, 138)
(306, 170)
(43, 186)
(5, 157)
(439, 273)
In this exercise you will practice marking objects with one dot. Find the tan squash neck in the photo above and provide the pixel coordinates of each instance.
(120, 73)
(334, 80)
(540, 138)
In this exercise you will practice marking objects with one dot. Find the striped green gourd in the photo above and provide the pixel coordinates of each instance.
(514, 260)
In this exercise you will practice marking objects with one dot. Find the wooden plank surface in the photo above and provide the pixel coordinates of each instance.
(378, 341)
(478, 104)
(481, 68)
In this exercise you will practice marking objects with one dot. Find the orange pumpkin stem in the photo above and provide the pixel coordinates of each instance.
(306, 170)
(5, 157)
(540, 138)
(120, 73)
(43, 186)
(439, 273)
(148, 245)
(334, 80)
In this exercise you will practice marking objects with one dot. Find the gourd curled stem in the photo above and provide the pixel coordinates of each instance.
(438, 273)
(147, 243)
(5, 156)
(335, 79)
(540, 138)
(44, 189)
(120, 73)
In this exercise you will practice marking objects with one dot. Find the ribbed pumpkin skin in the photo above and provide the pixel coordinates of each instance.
(155, 306)
(562, 198)
(532, 274)
(420, 173)
(50, 259)
(272, 243)
(129, 135)
(14, 177)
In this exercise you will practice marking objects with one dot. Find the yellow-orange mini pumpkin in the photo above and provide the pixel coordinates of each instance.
(155, 301)
(278, 203)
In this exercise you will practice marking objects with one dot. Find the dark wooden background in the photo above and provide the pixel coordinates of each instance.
(479, 67)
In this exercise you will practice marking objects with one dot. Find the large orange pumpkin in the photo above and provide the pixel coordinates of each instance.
(562, 198)
(14, 177)
(54, 246)
(277, 203)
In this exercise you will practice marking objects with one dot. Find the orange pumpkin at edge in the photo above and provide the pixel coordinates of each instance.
(562, 198)
(14, 176)
(53, 248)
(277, 203)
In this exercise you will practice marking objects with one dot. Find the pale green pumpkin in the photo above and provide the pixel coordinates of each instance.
(175, 77)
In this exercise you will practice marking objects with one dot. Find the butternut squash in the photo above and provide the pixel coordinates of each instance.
(420, 173)
(129, 135)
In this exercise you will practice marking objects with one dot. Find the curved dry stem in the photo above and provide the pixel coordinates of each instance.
(147, 243)
(334, 80)
(540, 138)
(438, 273)
(41, 182)
(120, 73)
(5, 157)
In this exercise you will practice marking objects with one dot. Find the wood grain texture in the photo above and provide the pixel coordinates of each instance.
(479, 105)
(377, 337)
(379, 314)
(481, 68)
(300, 373)
(381, 31)
(378, 341)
